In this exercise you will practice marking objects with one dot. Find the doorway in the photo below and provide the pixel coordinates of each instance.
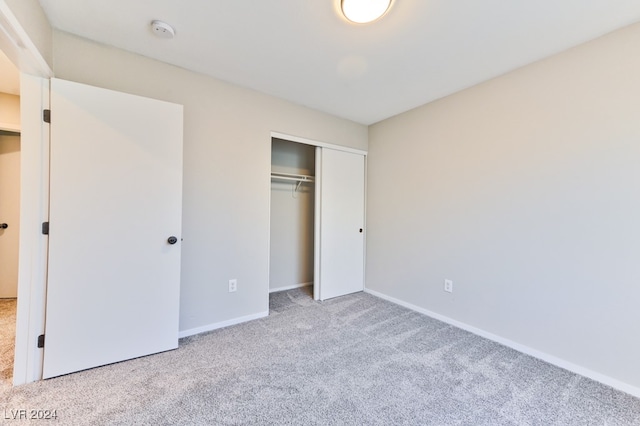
(317, 217)
(291, 260)
(9, 212)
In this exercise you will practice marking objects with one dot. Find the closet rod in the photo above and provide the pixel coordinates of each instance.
(295, 178)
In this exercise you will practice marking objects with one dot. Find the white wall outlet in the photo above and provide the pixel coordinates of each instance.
(448, 286)
(233, 285)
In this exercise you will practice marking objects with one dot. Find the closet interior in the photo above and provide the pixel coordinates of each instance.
(291, 263)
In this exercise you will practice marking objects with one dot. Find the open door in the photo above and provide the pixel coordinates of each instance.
(340, 264)
(115, 223)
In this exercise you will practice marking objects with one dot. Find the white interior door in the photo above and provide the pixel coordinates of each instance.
(9, 213)
(341, 242)
(115, 198)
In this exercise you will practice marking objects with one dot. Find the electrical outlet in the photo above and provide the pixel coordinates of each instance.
(448, 286)
(233, 285)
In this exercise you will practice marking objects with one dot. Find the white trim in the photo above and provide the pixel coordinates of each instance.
(364, 224)
(222, 324)
(268, 281)
(312, 142)
(34, 209)
(290, 287)
(18, 46)
(317, 222)
(558, 362)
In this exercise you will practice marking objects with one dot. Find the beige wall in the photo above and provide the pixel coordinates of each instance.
(9, 193)
(9, 112)
(9, 213)
(227, 165)
(525, 191)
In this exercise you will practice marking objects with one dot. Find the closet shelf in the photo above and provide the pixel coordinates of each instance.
(292, 177)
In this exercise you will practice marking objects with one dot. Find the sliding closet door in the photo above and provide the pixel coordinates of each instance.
(114, 242)
(341, 225)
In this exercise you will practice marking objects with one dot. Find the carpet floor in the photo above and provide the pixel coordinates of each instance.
(7, 338)
(353, 360)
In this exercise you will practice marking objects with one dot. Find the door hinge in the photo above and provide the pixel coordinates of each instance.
(46, 115)
(41, 341)
(45, 228)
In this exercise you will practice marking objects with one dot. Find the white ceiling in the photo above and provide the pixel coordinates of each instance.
(9, 76)
(306, 52)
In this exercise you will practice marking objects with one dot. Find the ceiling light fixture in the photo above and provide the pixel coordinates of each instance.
(162, 29)
(364, 11)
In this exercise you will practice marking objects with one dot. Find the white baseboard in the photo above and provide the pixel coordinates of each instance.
(222, 324)
(559, 362)
(289, 287)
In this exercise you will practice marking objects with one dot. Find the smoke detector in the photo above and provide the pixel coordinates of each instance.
(162, 29)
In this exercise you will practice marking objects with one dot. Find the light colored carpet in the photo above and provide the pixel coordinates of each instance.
(354, 360)
(7, 339)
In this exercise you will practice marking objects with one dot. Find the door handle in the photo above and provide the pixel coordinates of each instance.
(3, 226)
(172, 240)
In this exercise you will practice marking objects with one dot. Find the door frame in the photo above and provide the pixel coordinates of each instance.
(34, 184)
(317, 203)
(34, 210)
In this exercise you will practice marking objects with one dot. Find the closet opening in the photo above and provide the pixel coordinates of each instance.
(291, 260)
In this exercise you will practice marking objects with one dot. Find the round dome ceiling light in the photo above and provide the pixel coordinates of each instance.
(162, 29)
(364, 11)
